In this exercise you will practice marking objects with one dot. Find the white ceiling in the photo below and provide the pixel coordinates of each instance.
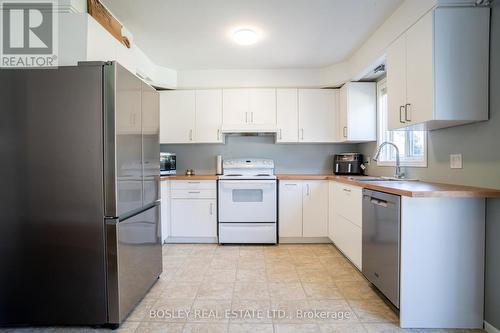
(194, 34)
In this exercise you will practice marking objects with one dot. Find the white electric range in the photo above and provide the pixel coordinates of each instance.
(247, 202)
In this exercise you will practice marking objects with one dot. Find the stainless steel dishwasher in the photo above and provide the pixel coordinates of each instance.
(381, 242)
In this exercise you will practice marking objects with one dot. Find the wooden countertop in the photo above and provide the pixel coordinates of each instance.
(408, 188)
(195, 177)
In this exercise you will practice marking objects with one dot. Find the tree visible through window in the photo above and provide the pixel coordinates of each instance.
(412, 144)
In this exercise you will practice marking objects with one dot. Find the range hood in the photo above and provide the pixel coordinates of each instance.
(249, 131)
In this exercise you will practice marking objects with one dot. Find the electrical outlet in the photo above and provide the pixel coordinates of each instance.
(368, 160)
(456, 161)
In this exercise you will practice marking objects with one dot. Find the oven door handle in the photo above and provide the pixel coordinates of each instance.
(246, 185)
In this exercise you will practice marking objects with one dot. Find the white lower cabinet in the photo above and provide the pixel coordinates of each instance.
(315, 209)
(165, 209)
(346, 220)
(191, 211)
(193, 217)
(303, 209)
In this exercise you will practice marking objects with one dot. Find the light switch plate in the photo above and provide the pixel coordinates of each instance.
(456, 161)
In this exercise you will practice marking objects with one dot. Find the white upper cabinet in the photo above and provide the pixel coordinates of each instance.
(249, 109)
(358, 112)
(396, 80)
(287, 115)
(318, 115)
(191, 116)
(177, 116)
(208, 116)
(437, 71)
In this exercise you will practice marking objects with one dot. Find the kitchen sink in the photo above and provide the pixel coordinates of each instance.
(375, 179)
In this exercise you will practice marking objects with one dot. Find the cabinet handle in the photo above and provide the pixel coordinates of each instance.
(246, 117)
(290, 184)
(344, 131)
(400, 114)
(211, 209)
(194, 192)
(190, 135)
(406, 112)
(281, 135)
(218, 134)
(346, 190)
(308, 190)
(251, 117)
(193, 182)
(302, 135)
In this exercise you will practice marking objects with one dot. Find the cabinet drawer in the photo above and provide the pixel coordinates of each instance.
(194, 185)
(348, 202)
(348, 238)
(193, 194)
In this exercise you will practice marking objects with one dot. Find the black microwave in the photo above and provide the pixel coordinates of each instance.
(167, 164)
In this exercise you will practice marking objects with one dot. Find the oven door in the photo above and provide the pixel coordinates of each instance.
(247, 201)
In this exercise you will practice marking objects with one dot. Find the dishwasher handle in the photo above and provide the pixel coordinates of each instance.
(379, 202)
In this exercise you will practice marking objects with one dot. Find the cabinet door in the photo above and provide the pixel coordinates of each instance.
(208, 116)
(342, 114)
(177, 116)
(331, 210)
(419, 70)
(396, 83)
(315, 209)
(287, 115)
(193, 218)
(165, 210)
(317, 115)
(348, 238)
(290, 209)
(235, 108)
(262, 108)
(361, 111)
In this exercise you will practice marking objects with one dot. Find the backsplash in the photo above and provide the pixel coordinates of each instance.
(288, 158)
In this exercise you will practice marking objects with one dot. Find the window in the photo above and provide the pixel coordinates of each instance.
(412, 144)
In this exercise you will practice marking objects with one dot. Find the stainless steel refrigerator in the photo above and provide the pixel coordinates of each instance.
(79, 196)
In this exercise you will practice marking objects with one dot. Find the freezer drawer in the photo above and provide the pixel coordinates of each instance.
(134, 255)
(381, 246)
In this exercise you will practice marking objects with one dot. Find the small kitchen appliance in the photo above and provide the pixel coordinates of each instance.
(167, 164)
(348, 164)
(247, 202)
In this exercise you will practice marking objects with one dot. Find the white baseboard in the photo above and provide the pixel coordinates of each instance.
(304, 240)
(490, 328)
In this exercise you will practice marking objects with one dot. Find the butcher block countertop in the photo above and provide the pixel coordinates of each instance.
(408, 188)
(194, 177)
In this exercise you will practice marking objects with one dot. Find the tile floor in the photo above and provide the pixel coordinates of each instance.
(207, 288)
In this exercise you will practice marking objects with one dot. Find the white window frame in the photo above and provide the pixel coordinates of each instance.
(404, 160)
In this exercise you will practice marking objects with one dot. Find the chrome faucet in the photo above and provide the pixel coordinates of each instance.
(397, 173)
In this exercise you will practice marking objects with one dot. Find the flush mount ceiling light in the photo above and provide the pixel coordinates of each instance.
(245, 36)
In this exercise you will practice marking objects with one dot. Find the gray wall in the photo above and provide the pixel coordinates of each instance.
(480, 147)
(288, 158)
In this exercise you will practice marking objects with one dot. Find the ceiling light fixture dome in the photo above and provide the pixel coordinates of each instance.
(245, 36)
